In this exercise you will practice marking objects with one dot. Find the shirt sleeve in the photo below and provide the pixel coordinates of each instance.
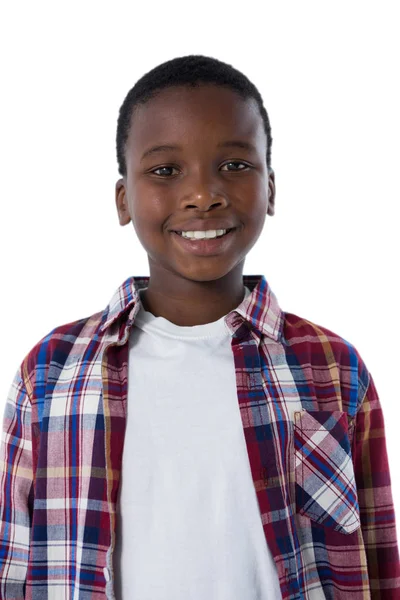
(16, 491)
(375, 498)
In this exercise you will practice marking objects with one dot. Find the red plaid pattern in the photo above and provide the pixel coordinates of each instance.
(325, 481)
(314, 433)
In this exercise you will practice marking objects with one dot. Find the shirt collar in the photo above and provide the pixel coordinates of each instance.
(260, 308)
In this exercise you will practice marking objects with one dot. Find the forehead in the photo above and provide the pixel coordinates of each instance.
(190, 114)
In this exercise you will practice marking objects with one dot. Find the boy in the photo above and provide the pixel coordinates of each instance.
(193, 440)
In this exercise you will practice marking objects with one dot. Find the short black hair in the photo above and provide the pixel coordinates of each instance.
(190, 71)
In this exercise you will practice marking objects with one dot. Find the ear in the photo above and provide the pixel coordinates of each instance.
(121, 202)
(271, 192)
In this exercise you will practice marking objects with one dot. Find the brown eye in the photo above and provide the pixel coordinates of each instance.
(236, 162)
(161, 169)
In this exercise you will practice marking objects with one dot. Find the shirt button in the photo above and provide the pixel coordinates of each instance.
(106, 574)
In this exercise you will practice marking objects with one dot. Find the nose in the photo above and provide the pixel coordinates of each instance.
(204, 202)
(203, 194)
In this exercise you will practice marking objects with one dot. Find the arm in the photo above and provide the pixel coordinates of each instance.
(16, 488)
(375, 498)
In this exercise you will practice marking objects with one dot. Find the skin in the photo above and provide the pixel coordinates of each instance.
(197, 181)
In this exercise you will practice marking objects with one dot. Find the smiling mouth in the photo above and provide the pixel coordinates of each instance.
(205, 238)
(206, 246)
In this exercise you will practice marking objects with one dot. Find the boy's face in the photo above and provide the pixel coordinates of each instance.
(170, 187)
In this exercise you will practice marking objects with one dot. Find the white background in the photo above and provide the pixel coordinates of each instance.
(328, 73)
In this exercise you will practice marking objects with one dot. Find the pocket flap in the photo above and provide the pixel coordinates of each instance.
(326, 490)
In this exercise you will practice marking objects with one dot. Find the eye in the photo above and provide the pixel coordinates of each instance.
(161, 169)
(236, 162)
(167, 175)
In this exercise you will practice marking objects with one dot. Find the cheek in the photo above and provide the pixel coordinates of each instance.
(150, 202)
(261, 197)
(150, 207)
(149, 219)
(255, 210)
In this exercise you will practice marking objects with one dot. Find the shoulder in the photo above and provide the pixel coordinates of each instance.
(61, 344)
(328, 354)
(297, 330)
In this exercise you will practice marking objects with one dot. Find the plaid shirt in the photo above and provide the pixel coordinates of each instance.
(315, 438)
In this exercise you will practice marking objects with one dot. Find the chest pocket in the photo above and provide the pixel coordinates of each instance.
(325, 484)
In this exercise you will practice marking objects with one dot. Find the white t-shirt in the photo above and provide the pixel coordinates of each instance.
(188, 521)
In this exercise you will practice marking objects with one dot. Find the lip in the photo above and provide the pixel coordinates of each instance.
(206, 247)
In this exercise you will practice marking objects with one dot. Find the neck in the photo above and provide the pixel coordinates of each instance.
(186, 303)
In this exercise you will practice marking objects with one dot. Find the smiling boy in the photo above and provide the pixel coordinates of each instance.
(193, 440)
(194, 283)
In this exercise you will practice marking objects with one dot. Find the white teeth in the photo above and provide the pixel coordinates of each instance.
(198, 235)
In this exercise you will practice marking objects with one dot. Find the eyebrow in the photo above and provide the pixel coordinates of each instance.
(227, 144)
